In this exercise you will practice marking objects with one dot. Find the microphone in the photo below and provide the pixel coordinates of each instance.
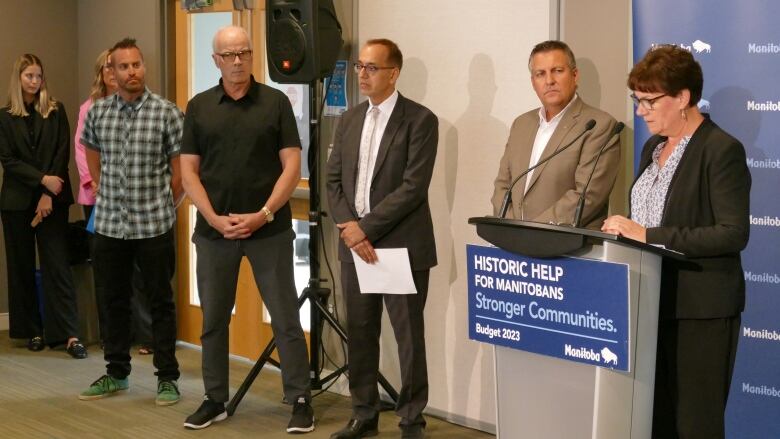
(508, 196)
(581, 202)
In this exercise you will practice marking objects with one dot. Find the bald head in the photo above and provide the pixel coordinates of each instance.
(233, 56)
(230, 35)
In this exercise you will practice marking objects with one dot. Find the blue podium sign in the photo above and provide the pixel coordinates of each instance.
(570, 308)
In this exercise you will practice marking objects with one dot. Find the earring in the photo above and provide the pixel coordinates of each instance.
(683, 114)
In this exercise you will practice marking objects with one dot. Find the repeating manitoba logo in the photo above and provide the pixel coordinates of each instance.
(697, 46)
(764, 48)
(761, 334)
(766, 220)
(700, 46)
(768, 105)
(761, 390)
(767, 278)
(765, 163)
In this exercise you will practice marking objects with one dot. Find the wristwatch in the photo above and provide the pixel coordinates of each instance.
(269, 216)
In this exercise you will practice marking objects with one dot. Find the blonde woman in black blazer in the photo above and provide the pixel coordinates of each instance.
(34, 200)
(692, 195)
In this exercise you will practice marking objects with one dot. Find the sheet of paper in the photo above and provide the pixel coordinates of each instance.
(391, 274)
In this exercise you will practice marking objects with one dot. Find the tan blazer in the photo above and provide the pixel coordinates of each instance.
(556, 185)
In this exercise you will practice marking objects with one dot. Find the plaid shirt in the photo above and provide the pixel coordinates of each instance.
(136, 142)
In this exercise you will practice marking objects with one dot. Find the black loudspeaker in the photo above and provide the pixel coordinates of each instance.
(303, 40)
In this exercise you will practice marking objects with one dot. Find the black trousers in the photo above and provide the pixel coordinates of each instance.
(271, 259)
(142, 318)
(364, 324)
(60, 313)
(694, 363)
(113, 265)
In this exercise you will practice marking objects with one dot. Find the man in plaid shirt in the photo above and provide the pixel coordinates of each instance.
(133, 140)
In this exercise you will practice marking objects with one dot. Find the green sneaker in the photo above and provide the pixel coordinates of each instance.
(103, 387)
(167, 392)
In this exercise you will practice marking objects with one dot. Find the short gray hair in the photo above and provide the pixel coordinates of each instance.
(550, 45)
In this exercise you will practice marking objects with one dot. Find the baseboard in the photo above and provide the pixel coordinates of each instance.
(463, 421)
(4, 321)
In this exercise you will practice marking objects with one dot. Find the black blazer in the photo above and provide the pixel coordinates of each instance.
(400, 215)
(26, 160)
(706, 216)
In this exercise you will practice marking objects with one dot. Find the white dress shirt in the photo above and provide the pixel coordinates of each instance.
(385, 110)
(543, 135)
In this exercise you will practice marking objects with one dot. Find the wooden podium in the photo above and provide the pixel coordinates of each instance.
(542, 397)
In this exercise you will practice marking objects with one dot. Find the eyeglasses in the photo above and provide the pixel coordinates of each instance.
(370, 68)
(646, 103)
(243, 55)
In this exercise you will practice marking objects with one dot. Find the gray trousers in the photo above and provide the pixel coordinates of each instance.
(272, 264)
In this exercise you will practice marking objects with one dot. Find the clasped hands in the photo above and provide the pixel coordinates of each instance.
(53, 184)
(238, 225)
(356, 239)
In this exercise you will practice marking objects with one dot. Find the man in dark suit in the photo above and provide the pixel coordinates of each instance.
(377, 179)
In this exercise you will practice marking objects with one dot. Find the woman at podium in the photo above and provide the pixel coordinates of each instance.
(691, 195)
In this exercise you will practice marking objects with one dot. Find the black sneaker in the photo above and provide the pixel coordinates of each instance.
(302, 420)
(208, 412)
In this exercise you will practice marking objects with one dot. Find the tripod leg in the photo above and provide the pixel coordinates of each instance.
(330, 319)
(340, 331)
(264, 358)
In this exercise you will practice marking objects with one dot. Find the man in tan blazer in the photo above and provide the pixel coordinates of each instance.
(550, 193)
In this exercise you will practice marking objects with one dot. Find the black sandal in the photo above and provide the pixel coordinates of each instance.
(36, 344)
(77, 350)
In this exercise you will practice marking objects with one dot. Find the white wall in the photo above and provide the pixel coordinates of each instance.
(467, 62)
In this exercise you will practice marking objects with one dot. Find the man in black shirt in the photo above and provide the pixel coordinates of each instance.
(241, 159)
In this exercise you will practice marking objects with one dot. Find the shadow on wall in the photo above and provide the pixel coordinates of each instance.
(477, 131)
(589, 84)
(412, 84)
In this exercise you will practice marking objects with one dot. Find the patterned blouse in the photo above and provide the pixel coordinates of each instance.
(648, 196)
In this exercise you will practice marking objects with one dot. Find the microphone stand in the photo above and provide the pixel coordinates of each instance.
(508, 195)
(581, 202)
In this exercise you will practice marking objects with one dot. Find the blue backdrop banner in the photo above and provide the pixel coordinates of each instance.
(570, 308)
(738, 46)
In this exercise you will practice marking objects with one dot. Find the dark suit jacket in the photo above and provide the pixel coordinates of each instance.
(26, 160)
(400, 215)
(706, 216)
(556, 185)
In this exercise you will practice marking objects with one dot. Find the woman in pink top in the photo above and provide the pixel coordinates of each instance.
(103, 85)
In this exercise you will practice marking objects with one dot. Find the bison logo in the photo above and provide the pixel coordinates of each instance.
(700, 46)
(609, 356)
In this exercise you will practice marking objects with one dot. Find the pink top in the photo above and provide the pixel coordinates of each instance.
(86, 197)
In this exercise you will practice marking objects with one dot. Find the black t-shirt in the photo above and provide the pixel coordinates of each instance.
(238, 143)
